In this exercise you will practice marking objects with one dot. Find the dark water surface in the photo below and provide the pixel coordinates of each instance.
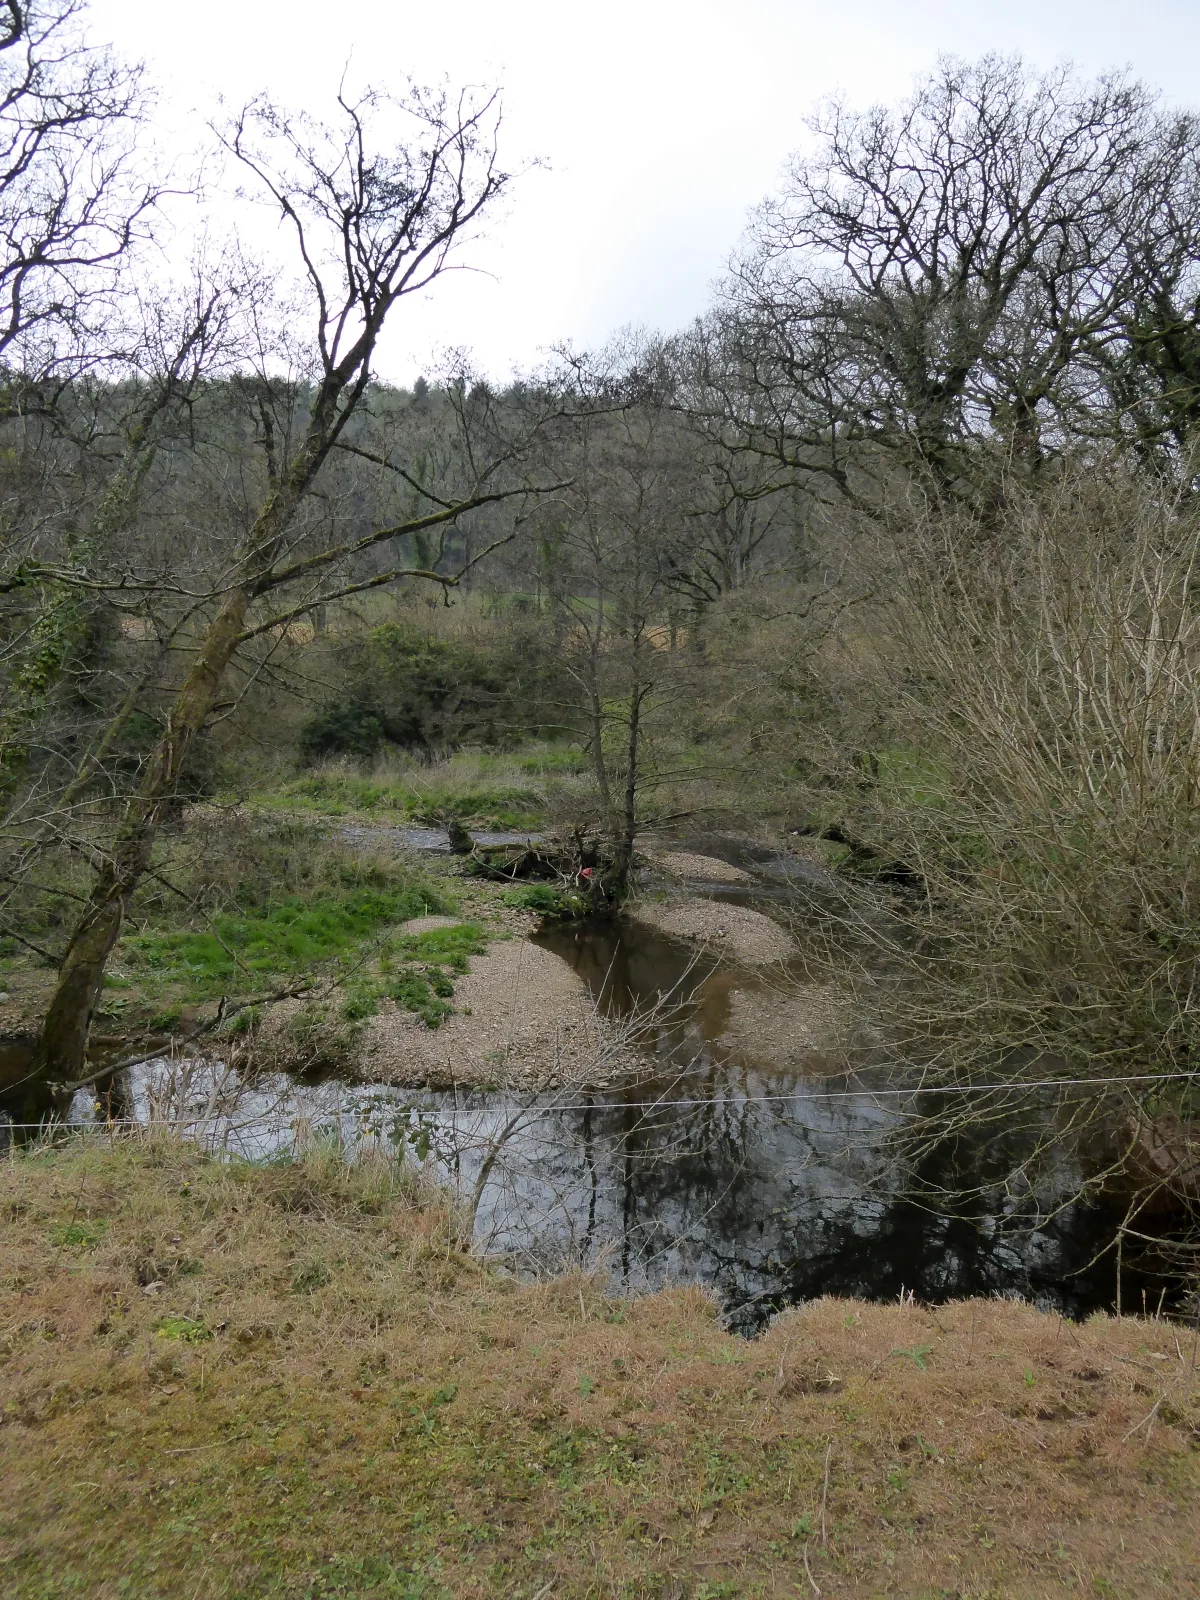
(772, 1188)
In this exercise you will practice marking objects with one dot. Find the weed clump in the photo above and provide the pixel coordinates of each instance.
(548, 901)
(429, 962)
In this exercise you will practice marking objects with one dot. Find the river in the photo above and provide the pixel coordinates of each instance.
(767, 1184)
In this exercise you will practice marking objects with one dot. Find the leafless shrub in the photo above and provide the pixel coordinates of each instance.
(1039, 802)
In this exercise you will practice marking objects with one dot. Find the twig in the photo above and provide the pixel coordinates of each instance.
(46, 955)
(190, 1449)
(1148, 1419)
(825, 1491)
(71, 1224)
(815, 1586)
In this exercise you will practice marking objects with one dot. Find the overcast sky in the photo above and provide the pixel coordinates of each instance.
(661, 123)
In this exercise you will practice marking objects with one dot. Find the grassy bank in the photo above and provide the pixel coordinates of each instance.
(245, 903)
(292, 1380)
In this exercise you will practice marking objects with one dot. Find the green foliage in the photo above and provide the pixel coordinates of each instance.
(333, 793)
(289, 937)
(566, 759)
(360, 1003)
(243, 1021)
(412, 690)
(336, 901)
(916, 1355)
(189, 1330)
(417, 971)
(418, 991)
(547, 900)
(44, 914)
(315, 1275)
(426, 989)
(54, 636)
(354, 726)
(78, 1233)
(485, 806)
(448, 946)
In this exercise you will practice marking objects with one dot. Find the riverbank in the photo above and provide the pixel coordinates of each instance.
(293, 1380)
(520, 1020)
(324, 947)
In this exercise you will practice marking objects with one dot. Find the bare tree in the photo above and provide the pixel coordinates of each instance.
(1040, 789)
(369, 227)
(74, 192)
(612, 544)
(948, 284)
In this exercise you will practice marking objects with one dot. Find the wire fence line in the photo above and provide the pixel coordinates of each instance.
(1014, 1086)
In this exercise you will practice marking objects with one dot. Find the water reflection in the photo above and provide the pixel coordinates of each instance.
(768, 1192)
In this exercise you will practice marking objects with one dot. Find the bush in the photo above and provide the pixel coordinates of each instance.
(414, 691)
(420, 692)
(548, 901)
(1043, 785)
(351, 727)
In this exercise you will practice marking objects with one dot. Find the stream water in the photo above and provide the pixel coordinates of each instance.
(768, 1184)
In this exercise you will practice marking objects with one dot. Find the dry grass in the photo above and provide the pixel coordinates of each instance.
(352, 1405)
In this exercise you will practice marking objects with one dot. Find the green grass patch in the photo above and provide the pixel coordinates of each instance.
(334, 793)
(913, 777)
(187, 1329)
(447, 946)
(485, 806)
(291, 936)
(429, 962)
(555, 760)
(426, 992)
(79, 1233)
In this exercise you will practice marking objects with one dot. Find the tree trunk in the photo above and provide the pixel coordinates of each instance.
(596, 708)
(62, 1047)
(623, 854)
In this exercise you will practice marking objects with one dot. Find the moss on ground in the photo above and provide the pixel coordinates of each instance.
(224, 1380)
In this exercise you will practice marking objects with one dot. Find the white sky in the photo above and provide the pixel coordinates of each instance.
(662, 121)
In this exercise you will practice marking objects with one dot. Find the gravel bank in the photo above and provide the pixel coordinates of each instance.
(733, 932)
(522, 1018)
(704, 869)
(788, 1027)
